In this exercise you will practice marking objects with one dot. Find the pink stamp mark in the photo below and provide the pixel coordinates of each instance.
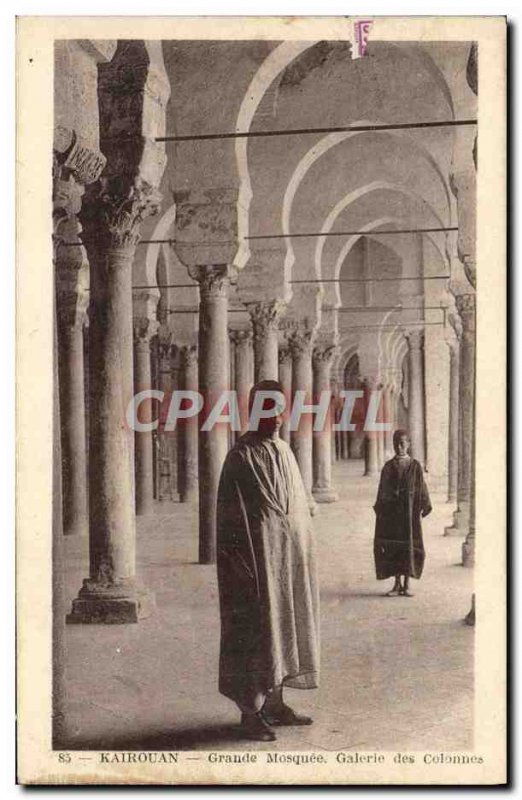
(361, 31)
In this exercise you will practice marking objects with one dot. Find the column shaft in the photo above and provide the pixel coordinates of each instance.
(213, 380)
(188, 430)
(73, 440)
(453, 437)
(165, 442)
(144, 476)
(371, 447)
(416, 396)
(285, 379)
(243, 373)
(301, 438)
(322, 439)
(110, 594)
(466, 308)
(265, 321)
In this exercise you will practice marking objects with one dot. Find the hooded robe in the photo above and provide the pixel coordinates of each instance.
(401, 500)
(268, 588)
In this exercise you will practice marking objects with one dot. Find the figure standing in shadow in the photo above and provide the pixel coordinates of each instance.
(402, 500)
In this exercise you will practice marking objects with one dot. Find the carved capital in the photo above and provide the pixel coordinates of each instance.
(112, 220)
(214, 281)
(144, 328)
(189, 356)
(67, 201)
(166, 351)
(241, 337)
(415, 339)
(266, 316)
(284, 355)
(466, 308)
(301, 341)
(75, 158)
(323, 354)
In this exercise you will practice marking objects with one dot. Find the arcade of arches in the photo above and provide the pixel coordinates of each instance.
(182, 264)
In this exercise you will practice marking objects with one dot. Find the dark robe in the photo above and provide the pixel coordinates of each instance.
(268, 589)
(401, 501)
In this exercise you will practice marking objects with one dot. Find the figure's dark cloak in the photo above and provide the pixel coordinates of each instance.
(266, 572)
(401, 500)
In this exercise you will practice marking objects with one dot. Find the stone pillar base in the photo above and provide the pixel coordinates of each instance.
(114, 604)
(324, 495)
(468, 553)
(460, 525)
(469, 619)
(189, 496)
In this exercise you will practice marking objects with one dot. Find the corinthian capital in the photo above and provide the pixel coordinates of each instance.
(214, 281)
(301, 341)
(324, 353)
(111, 220)
(265, 316)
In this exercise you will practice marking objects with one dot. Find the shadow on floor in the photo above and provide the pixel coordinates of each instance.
(202, 737)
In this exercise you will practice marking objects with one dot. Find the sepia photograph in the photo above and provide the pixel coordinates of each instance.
(264, 547)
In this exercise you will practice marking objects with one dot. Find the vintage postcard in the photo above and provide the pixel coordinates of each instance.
(261, 376)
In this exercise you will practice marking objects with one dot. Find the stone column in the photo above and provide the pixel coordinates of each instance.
(416, 395)
(389, 419)
(322, 440)
(301, 343)
(144, 329)
(213, 380)
(243, 372)
(165, 442)
(453, 437)
(206, 243)
(111, 231)
(188, 429)
(345, 445)
(72, 413)
(466, 308)
(285, 379)
(371, 447)
(468, 546)
(72, 293)
(381, 417)
(265, 321)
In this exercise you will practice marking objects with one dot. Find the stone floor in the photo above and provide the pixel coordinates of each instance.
(397, 673)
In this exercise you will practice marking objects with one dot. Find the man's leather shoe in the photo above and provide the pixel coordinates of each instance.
(284, 715)
(255, 728)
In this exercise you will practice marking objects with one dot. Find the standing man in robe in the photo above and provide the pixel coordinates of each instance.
(402, 500)
(266, 573)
